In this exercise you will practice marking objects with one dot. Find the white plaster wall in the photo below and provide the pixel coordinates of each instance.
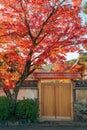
(27, 93)
(81, 96)
(2, 93)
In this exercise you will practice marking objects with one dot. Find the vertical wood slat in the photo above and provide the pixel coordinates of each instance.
(63, 100)
(47, 97)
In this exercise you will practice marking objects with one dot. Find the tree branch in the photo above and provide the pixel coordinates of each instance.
(26, 22)
(41, 39)
(10, 65)
(13, 33)
(46, 21)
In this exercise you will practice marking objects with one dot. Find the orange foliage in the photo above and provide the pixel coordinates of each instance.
(34, 32)
(77, 68)
(67, 67)
(60, 67)
(76, 2)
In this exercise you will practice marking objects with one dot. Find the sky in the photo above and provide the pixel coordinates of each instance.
(71, 56)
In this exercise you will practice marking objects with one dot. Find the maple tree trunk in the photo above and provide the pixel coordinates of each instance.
(18, 85)
(13, 100)
(13, 96)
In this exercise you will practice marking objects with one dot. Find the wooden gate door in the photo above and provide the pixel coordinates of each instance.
(47, 100)
(63, 97)
(56, 101)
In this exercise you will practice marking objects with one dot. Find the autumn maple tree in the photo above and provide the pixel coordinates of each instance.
(35, 32)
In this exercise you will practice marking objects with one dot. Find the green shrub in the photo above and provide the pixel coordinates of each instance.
(27, 109)
(5, 105)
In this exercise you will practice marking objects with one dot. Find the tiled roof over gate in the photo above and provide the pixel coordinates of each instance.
(56, 75)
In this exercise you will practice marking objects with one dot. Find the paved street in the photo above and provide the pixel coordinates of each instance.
(44, 127)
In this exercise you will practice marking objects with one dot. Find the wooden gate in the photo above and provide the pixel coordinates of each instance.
(56, 101)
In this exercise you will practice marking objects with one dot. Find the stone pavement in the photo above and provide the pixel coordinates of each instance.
(48, 126)
(44, 127)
